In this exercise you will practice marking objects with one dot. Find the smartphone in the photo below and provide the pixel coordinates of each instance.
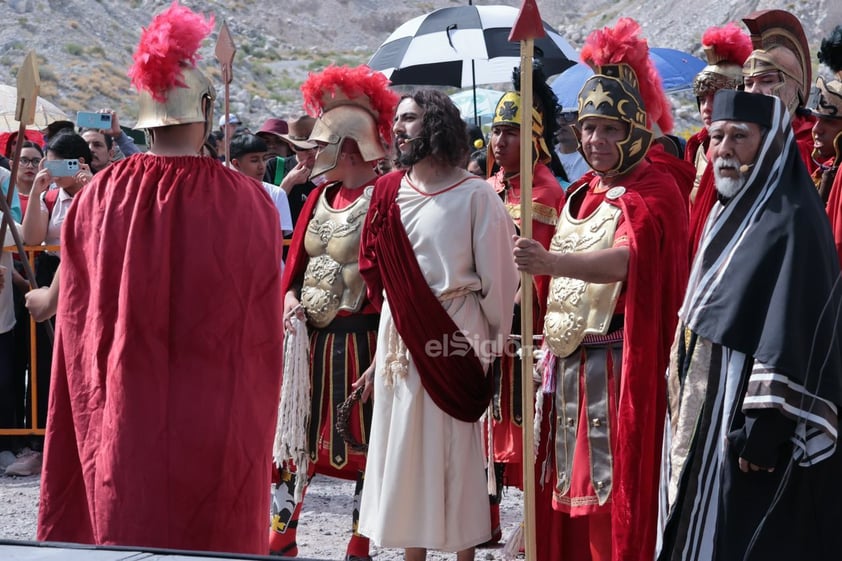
(62, 168)
(91, 120)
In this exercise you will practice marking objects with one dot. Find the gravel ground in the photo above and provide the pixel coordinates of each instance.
(322, 532)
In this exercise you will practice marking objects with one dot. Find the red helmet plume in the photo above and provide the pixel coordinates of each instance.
(337, 85)
(728, 43)
(622, 44)
(170, 42)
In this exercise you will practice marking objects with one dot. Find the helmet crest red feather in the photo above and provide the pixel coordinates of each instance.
(361, 86)
(170, 42)
(622, 44)
(730, 42)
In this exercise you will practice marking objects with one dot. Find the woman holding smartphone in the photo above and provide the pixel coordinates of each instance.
(49, 200)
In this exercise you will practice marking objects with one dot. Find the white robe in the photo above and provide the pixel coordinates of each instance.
(425, 484)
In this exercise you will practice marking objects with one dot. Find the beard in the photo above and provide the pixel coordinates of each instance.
(418, 150)
(728, 187)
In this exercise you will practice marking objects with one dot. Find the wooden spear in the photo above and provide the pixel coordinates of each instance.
(28, 85)
(224, 52)
(527, 27)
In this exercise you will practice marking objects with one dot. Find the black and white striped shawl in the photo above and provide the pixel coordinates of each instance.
(764, 283)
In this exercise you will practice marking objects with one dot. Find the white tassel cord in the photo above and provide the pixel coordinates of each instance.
(489, 464)
(294, 408)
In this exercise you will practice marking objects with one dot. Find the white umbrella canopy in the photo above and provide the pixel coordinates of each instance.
(486, 103)
(464, 46)
(45, 112)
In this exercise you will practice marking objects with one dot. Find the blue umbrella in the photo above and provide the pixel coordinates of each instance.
(677, 70)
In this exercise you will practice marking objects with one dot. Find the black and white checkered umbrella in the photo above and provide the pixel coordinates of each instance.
(437, 49)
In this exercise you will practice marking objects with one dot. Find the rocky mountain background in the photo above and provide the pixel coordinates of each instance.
(84, 46)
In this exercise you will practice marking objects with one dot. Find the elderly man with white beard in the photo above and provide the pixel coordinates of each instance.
(755, 377)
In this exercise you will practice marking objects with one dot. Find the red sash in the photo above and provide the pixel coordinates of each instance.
(456, 382)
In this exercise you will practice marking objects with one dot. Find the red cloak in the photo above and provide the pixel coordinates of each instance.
(658, 268)
(682, 171)
(167, 362)
(706, 193)
(802, 127)
(834, 212)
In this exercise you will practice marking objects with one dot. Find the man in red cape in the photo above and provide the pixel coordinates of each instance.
(619, 262)
(322, 283)
(167, 365)
(726, 49)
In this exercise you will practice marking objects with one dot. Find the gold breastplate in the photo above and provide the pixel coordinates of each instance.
(576, 308)
(332, 280)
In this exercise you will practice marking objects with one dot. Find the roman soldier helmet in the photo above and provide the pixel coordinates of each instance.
(353, 103)
(828, 102)
(172, 90)
(726, 49)
(625, 87)
(510, 111)
(780, 46)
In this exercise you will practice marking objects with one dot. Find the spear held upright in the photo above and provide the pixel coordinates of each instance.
(527, 27)
(224, 52)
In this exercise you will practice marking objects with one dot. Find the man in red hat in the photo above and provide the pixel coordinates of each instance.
(271, 132)
(298, 169)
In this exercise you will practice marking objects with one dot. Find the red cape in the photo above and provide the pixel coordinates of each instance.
(658, 268)
(802, 126)
(682, 171)
(655, 210)
(834, 212)
(705, 195)
(166, 368)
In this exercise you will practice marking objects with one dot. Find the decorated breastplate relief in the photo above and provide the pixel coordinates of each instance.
(576, 308)
(332, 280)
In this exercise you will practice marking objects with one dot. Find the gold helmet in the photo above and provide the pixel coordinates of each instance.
(191, 103)
(726, 49)
(620, 59)
(780, 46)
(172, 90)
(353, 103)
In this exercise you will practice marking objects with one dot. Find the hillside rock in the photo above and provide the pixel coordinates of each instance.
(85, 46)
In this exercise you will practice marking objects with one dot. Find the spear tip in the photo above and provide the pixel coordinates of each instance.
(528, 24)
(28, 85)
